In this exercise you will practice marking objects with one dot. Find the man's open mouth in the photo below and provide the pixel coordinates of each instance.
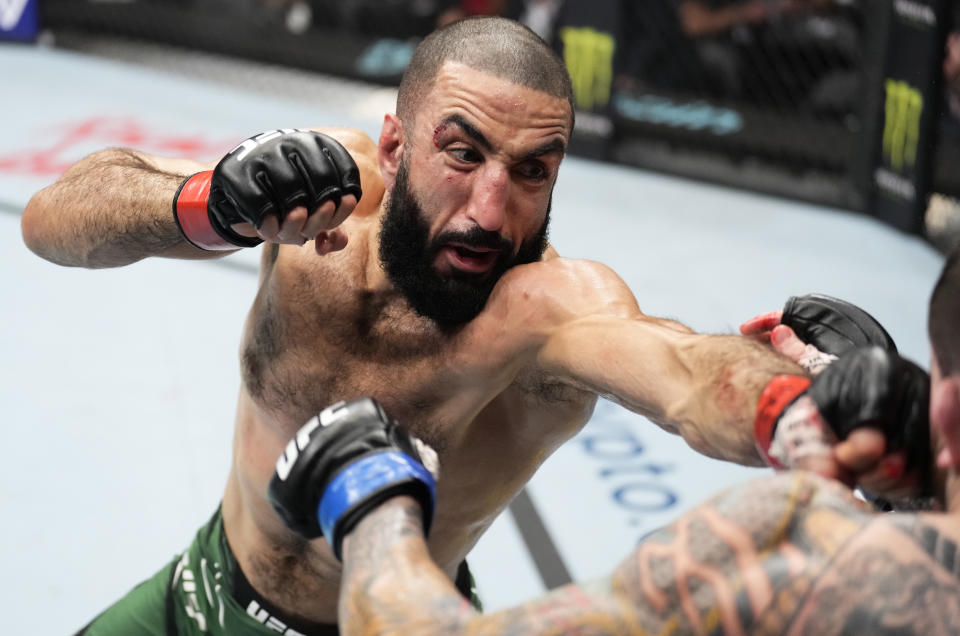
(471, 259)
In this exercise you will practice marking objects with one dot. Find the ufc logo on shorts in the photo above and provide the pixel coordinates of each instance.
(326, 417)
(272, 622)
(246, 146)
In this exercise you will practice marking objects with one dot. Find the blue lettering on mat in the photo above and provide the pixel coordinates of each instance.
(637, 484)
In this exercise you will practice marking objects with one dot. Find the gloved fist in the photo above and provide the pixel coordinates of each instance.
(260, 182)
(342, 464)
(798, 422)
(834, 326)
(814, 330)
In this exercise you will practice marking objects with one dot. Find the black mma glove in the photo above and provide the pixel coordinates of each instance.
(342, 464)
(869, 387)
(269, 174)
(834, 326)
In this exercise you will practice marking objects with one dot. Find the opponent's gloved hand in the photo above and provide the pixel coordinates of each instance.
(815, 329)
(834, 326)
(266, 175)
(798, 421)
(342, 464)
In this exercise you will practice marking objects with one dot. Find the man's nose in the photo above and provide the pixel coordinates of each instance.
(488, 200)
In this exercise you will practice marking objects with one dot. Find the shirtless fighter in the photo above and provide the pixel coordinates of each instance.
(792, 554)
(432, 290)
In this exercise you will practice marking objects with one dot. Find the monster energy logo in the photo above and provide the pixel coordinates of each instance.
(901, 125)
(588, 55)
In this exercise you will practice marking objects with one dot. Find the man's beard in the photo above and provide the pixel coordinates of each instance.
(407, 255)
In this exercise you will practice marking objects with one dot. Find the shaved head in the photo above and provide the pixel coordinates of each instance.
(494, 45)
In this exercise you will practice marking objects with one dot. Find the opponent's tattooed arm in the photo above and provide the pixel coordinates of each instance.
(792, 553)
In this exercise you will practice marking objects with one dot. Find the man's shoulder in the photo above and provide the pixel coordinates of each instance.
(556, 272)
(353, 139)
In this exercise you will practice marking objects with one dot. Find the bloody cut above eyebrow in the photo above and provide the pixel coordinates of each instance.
(554, 145)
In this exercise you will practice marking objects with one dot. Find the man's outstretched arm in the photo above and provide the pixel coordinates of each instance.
(732, 397)
(593, 335)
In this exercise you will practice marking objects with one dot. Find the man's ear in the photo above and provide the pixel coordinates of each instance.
(945, 420)
(390, 149)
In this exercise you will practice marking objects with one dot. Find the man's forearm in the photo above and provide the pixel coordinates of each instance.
(109, 209)
(729, 373)
(702, 387)
(392, 586)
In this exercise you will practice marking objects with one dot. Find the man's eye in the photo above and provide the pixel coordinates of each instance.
(466, 155)
(533, 171)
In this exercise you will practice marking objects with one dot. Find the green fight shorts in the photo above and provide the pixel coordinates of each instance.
(203, 591)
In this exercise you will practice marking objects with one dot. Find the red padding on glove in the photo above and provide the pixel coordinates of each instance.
(190, 211)
(776, 396)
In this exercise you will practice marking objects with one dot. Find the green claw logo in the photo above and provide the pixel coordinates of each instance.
(588, 55)
(901, 125)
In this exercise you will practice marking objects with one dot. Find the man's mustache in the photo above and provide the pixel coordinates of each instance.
(475, 237)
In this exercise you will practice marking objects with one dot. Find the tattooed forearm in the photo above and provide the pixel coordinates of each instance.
(391, 585)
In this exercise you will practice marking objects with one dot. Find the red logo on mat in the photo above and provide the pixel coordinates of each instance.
(71, 141)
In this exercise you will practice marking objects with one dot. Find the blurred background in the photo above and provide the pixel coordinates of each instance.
(848, 103)
(727, 155)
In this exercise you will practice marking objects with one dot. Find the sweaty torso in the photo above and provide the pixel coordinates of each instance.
(320, 332)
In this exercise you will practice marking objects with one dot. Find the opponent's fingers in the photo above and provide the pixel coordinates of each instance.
(825, 466)
(889, 477)
(862, 450)
(762, 323)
